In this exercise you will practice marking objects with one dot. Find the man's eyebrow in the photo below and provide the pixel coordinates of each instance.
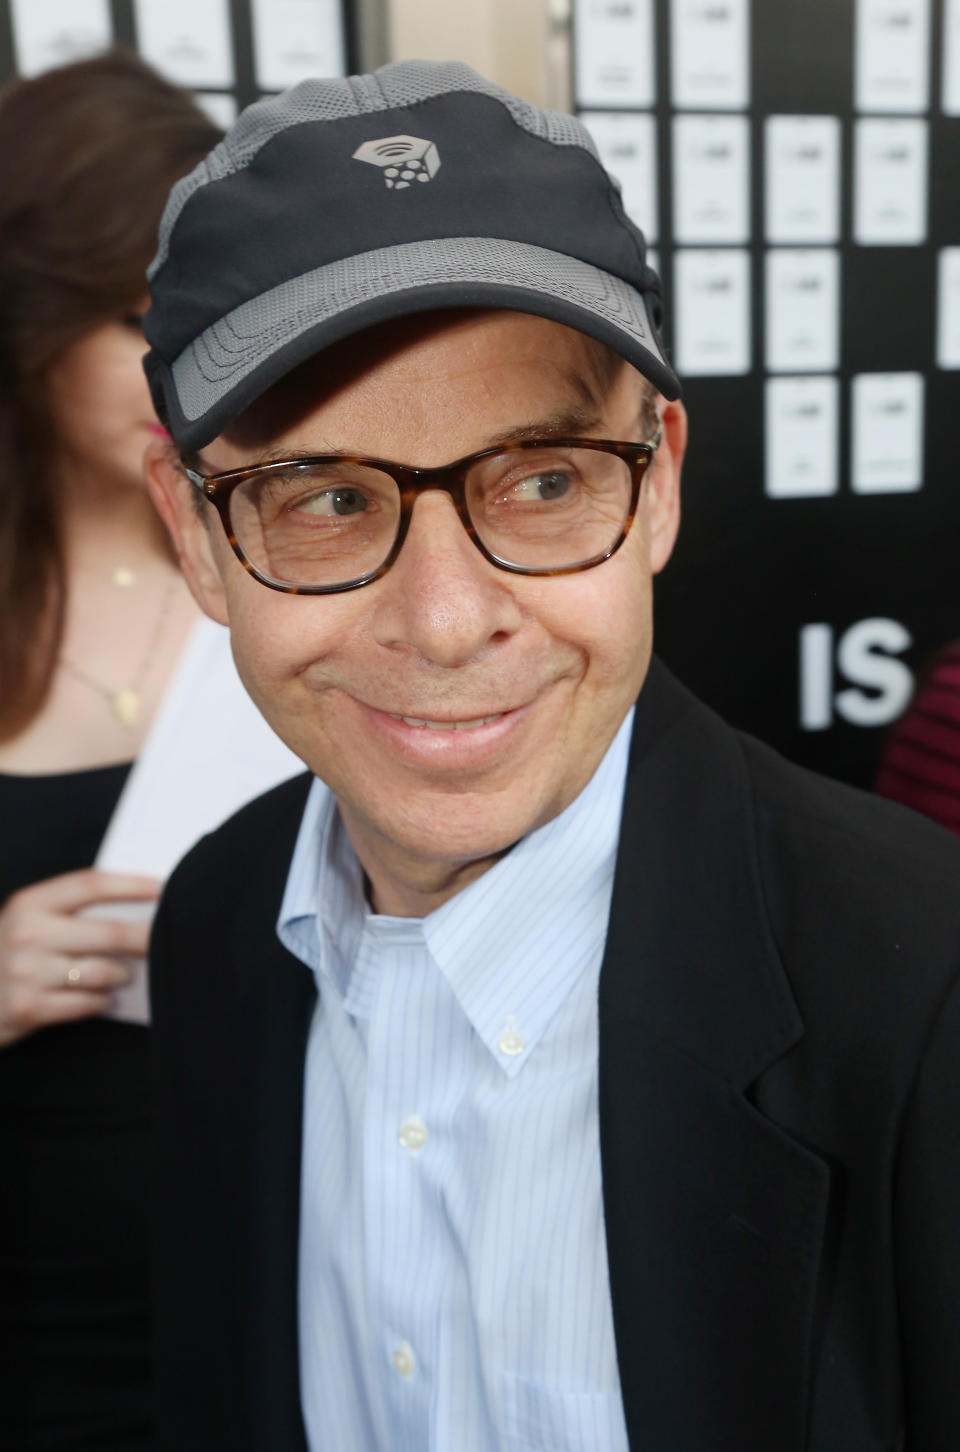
(569, 422)
(574, 422)
(271, 454)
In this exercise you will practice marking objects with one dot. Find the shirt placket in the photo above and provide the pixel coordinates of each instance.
(402, 1229)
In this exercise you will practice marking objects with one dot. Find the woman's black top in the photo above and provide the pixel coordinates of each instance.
(74, 1328)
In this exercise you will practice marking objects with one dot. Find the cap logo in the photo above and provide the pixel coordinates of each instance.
(404, 159)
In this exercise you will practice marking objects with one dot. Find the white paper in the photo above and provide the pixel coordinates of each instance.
(802, 417)
(712, 290)
(710, 54)
(802, 179)
(209, 751)
(51, 32)
(220, 107)
(296, 39)
(890, 186)
(803, 310)
(614, 53)
(711, 180)
(887, 433)
(187, 40)
(948, 308)
(628, 149)
(950, 92)
(892, 65)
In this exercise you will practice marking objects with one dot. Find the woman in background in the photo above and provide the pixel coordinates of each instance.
(93, 617)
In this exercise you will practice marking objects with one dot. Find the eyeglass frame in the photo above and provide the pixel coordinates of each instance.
(411, 483)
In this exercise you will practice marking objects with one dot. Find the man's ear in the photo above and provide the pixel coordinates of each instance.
(172, 494)
(662, 483)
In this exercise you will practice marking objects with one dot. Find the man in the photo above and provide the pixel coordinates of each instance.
(545, 1073)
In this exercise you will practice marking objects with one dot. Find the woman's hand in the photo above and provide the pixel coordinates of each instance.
(56, 965)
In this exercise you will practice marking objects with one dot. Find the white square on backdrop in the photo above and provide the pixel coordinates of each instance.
(802, 178)
(220, 107)
(948, 308)
(950, 98)
(890, 182)
(803, 310)
(801, 437)
(892, 55)
(887, 433)
(628, 149)
(51, 32)
(712, 292)
(710, 54)
(614, 53)
(297, 39)
(711, 178)
(187, 40)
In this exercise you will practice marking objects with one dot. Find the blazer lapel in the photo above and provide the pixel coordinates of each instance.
(714, 1215)
(271, 1013)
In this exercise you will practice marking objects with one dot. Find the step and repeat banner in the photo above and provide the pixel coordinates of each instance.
(796, 167)
(230, 52)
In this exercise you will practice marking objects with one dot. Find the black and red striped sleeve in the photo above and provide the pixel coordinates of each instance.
(920, 766)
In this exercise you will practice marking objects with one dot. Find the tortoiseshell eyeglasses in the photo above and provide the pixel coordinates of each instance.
(323, 523)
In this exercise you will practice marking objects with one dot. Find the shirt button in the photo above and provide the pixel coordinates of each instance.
(511, 1043)
(404, 1361)
(413, 1134)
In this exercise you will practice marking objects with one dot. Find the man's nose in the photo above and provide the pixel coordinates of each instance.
(442, 598)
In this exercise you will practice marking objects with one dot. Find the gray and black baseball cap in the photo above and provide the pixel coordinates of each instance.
(343, 203)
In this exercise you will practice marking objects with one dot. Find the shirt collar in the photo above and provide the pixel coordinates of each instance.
(323, 909)
(514, 943)
(511, 946)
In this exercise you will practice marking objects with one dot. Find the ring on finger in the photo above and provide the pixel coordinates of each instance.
(73, 976)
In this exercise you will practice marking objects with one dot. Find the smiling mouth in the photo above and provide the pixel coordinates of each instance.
(448, 725)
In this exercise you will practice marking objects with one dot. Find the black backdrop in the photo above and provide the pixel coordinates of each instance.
(752, 572)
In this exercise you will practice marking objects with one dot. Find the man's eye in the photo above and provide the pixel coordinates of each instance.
(544, 485)
(334, 502)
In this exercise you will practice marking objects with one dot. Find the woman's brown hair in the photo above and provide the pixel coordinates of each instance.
(88, 153)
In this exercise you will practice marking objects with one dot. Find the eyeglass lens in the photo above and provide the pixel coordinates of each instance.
(329, 523)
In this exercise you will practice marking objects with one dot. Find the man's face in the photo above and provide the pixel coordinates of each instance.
(547, 666)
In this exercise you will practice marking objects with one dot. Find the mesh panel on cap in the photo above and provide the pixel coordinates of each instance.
(404, 83)
(230, 350)
(411, 82)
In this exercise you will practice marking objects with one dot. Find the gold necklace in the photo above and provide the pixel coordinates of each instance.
(125, 703)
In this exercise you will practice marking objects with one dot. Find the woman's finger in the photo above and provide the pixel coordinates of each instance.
(74, 890)
(66, 1005)
(83, 935)
(86, 974)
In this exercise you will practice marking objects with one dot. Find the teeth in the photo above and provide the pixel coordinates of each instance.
(448, 725)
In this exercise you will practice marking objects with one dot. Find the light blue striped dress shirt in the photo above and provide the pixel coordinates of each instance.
(453, 1284)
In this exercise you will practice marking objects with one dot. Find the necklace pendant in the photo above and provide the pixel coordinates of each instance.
(122, 577)
(125, 705)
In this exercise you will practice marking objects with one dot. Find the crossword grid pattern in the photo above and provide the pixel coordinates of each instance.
(771, 221)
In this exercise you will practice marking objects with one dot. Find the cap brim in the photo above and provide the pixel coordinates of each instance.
(237, 359)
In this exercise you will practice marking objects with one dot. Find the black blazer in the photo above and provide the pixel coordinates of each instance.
(779, 1113)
